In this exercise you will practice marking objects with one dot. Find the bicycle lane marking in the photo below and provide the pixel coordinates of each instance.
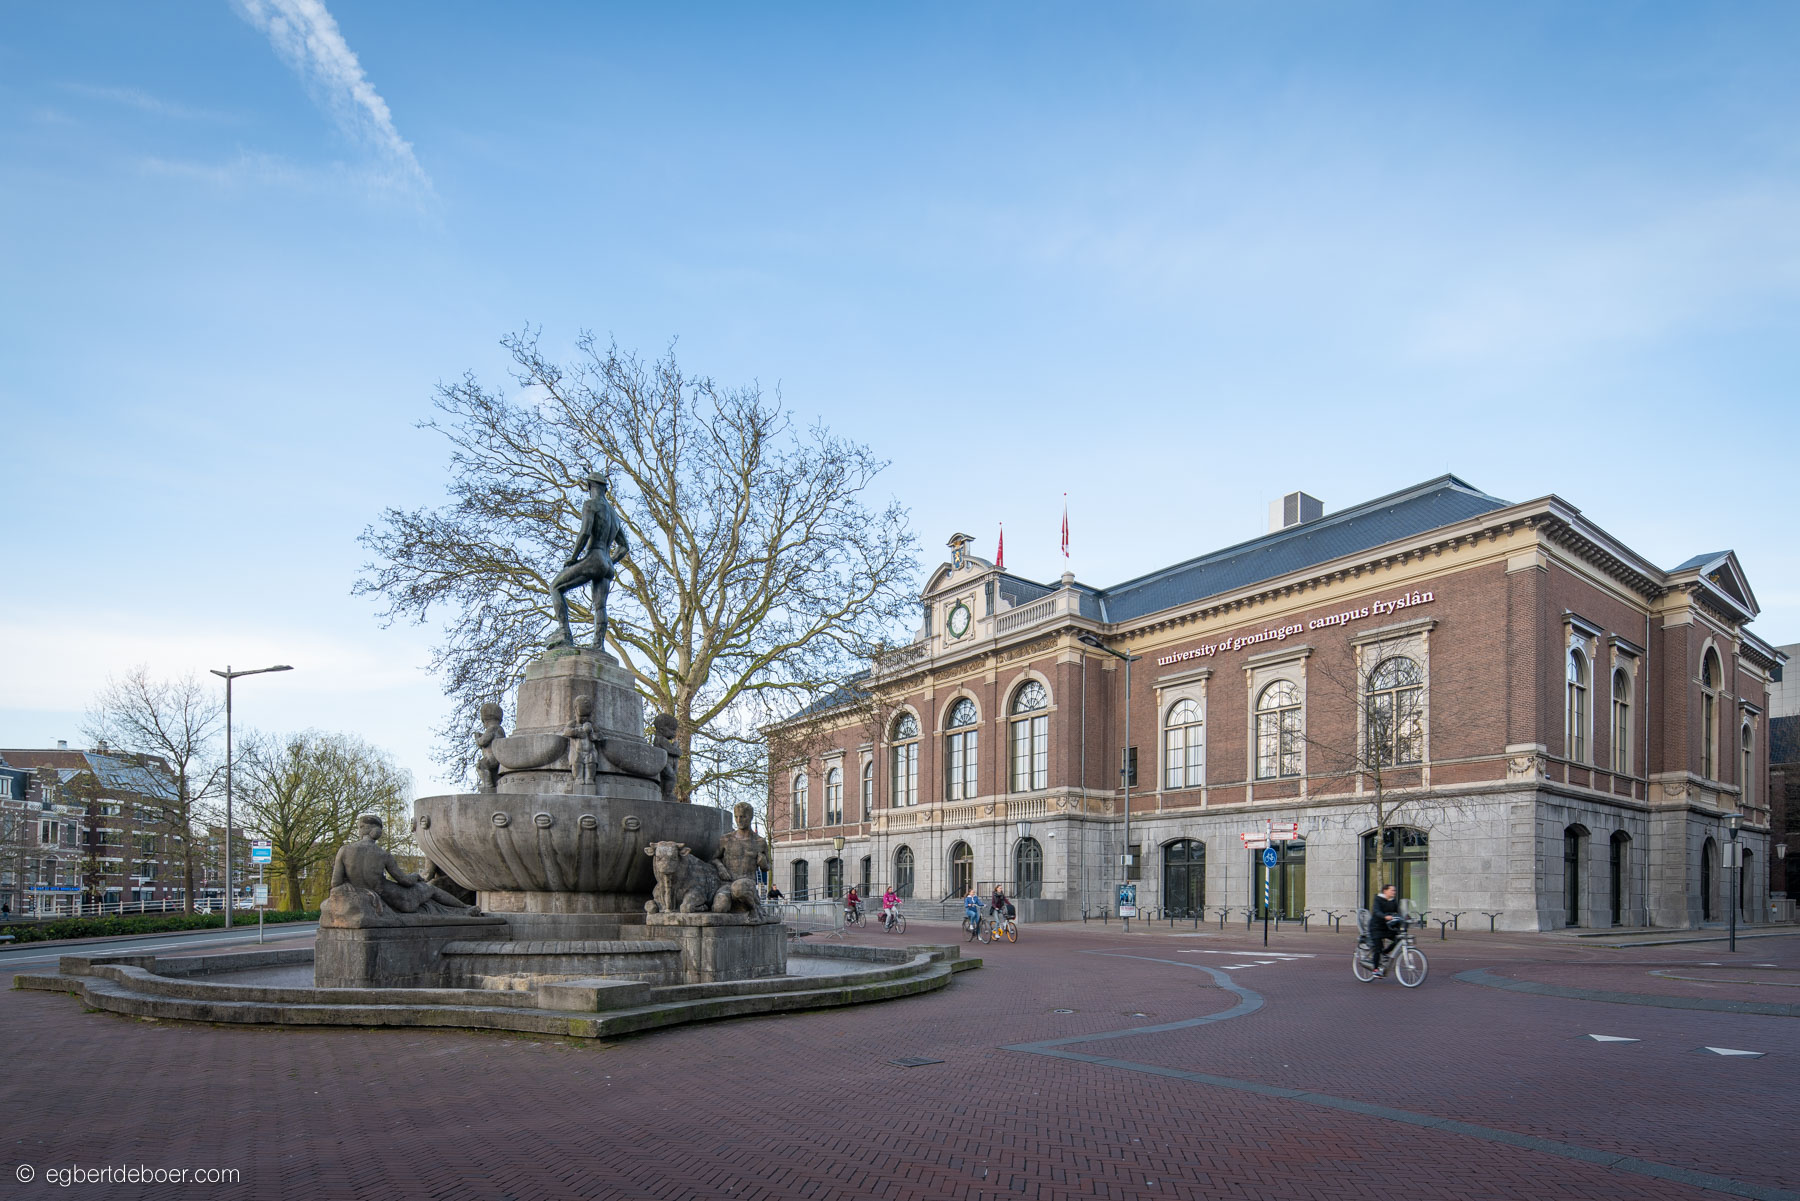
(1250, 1001)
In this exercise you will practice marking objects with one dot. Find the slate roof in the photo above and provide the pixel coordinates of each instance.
(1435, 503)
(114, 775)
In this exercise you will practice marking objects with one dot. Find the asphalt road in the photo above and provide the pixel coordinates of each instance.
(32, 956)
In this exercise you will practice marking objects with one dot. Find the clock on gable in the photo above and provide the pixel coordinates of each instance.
(958, 622)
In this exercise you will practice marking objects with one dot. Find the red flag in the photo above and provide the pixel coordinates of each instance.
(1065, 547)
(1000, 551)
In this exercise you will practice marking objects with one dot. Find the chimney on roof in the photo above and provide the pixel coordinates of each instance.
(1296, 508)
(62, 744)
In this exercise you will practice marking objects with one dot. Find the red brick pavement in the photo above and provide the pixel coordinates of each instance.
(806, 1105)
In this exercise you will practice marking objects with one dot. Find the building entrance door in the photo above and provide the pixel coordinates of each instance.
(1184, 878)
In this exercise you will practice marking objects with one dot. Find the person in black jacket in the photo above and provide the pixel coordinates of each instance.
(1382, 916)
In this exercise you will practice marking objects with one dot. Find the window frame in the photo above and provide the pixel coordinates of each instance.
(962, 747)
(1184, 745)
(1621, 720)
(834, 796)
(903, 750)
(1400, 694)
(1578, 680)
(1288, 738)
(798, 788)
(1028, 739)
(1711, 679)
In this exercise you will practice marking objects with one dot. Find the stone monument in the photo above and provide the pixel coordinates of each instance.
(559, 845)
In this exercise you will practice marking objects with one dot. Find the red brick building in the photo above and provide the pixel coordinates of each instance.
(1542, 723)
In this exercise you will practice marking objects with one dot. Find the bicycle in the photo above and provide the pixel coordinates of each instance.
(995, 926)
(853, 915)
(1407, 960)
(972, 927)
(893, 921)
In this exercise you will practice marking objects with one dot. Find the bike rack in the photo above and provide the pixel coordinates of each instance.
(1445, 923)
(1491, 915)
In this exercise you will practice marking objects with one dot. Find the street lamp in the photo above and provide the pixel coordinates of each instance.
(1088, 638)
(228, 676)
(1737, 859)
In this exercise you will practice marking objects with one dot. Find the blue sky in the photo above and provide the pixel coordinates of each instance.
(1173, 259)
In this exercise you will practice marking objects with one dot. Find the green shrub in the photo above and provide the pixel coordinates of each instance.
(150, 923)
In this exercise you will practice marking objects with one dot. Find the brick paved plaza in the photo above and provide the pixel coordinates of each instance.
(1308, 1085)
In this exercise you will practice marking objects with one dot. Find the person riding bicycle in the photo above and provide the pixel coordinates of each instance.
(890, 904)
(852, 902)
(971, 907)
(774, 895)
(1384, 922)
(1000, 905)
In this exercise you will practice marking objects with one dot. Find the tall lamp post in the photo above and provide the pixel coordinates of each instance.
(1087, 638)
(228, 676)
(1737, 865)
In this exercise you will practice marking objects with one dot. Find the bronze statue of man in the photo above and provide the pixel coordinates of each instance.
(599, 546)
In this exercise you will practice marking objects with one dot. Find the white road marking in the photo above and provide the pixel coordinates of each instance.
(1732, 1051)
(1611, 1038)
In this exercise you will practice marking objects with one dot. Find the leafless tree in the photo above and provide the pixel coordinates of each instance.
(303, 795)
(1377, 756)
(759, 571)
(171, 725)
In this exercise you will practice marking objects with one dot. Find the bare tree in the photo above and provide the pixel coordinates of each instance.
(1377, 756)
(171, 725)
(304, 793)
(758, 576)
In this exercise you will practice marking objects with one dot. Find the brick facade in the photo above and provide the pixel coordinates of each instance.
(1512, 810)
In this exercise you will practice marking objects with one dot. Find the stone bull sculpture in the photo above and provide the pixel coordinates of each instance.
(686, 883)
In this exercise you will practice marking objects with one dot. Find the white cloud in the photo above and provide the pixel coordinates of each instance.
(306, 37)
(145, 102)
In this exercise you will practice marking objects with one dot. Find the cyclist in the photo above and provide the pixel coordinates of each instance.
(890, 902)
(774, 895)
(852, 902)
(1384, 917)
(1000, 905)
(971, 908)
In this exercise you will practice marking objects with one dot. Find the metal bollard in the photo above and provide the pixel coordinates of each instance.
(1491, 917)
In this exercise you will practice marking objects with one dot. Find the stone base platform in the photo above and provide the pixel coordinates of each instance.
(199, 989)
(523, 963)
(722, 946)
(404, 954)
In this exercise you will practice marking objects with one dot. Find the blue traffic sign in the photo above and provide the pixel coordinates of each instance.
(262, 852)
(1270, 856)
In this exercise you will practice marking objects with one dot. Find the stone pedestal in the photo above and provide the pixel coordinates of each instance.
(407, 953)
(722, 946)
(534, 759)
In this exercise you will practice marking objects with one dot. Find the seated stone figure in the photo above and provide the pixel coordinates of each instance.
(367, 883)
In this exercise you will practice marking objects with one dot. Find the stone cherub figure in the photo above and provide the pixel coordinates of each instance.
(598, 548)
(487, 767)
(584, 746)
(366, 865)
(742, 853)
(664, 728)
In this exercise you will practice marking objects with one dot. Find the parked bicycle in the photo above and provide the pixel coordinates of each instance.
(1407, 961)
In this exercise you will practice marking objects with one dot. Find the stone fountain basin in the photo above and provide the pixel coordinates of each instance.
(557, 842)
(522, 752)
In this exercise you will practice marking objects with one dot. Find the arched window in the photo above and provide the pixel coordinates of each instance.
(801, 871)
(868, 792)
(959, 751)
(834, 797)
(1621, 723)
(1709, 715)
(1280, 731)
(1395, 712)
(905, 753)
(1405, 860)
(903, 871)
(1184, 747)
(1747, 773)
(1028, 869)
(1030, 738)
(1621, 875)
(1709, 851)
(1575, 844)
(1184, 877)
(1576, 708)
(962, 869)
(799, 805)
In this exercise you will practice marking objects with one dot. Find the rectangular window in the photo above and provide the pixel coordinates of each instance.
(1031, 754)
(1135, 869)
(960, 763)
(1621, 733)
(6, 787)
(47, 834)
(906, 774)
